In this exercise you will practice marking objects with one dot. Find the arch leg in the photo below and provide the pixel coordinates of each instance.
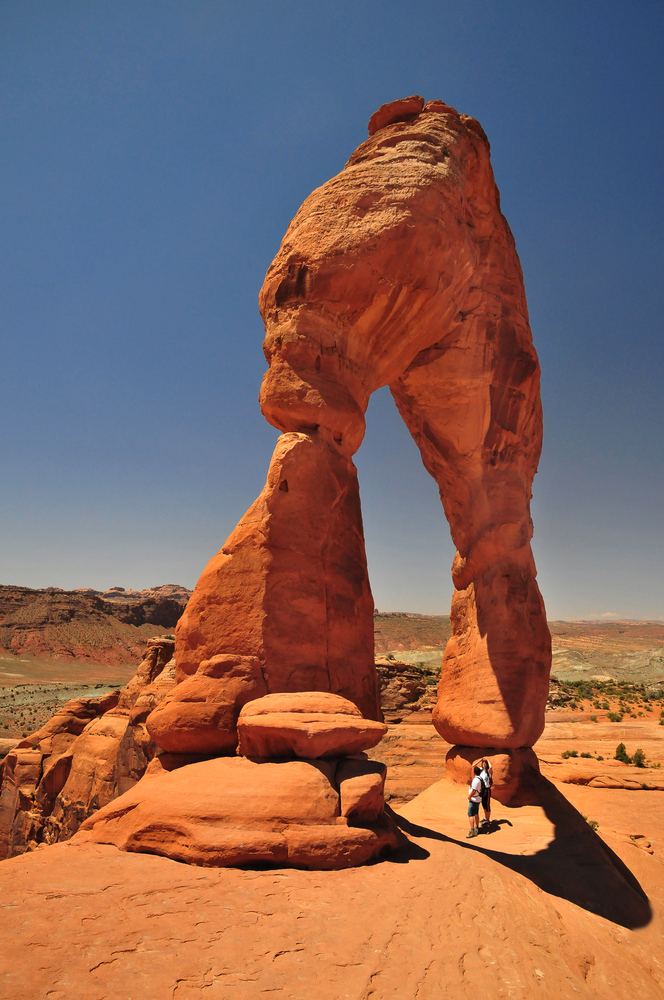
(472, 405)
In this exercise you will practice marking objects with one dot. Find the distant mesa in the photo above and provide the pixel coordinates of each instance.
(103, 627)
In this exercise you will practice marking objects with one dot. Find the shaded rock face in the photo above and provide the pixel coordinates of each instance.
(91, 751)
(399, 271)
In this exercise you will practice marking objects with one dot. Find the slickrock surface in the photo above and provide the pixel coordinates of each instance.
(399, 271)
(515, 914)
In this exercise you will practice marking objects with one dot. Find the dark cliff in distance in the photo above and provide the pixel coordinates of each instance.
(84, 625)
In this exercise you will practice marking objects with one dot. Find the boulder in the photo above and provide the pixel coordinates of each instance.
(310, 735)
(362, 789)
(322, 702)
(230, 812)
(200, 714)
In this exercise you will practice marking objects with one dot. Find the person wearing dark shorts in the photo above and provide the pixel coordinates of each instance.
(474, 800)
(485, 778)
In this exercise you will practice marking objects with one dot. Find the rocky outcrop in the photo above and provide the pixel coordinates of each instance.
(293, 797)
(91, 751)
(399, 271)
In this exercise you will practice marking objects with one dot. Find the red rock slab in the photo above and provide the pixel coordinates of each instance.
(231, 811)
(311, 735)
(322, 702)
(602, 774)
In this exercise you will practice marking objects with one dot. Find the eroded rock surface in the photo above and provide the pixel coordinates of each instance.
(231, 811)
(309, 812)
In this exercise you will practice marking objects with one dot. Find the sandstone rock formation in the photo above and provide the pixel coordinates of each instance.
(200, 714)
(290, 585)
(305, 724)
(91, 751)
(399, 271)
(228, 811)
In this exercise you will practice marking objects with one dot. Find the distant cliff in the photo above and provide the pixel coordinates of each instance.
(85, 625)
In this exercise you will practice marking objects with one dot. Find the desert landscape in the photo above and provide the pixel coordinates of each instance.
(583, 871)
(267, 783)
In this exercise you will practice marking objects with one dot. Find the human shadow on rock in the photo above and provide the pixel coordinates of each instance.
(577, 865)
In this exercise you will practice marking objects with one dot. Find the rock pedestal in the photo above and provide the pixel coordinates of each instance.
(303, 802)
(515, 773)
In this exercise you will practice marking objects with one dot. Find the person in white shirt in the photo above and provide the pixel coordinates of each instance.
(487, 781)
(474, 799)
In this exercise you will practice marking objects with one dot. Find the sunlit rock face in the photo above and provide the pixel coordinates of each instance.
(399, 271)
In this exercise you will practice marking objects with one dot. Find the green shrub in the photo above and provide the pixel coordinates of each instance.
(615, 716)
(592, 823)
(593, 718)
(586, 755)
(639, 758)
(605, 706)
(569, 753)
(621, 754)
(600, 758)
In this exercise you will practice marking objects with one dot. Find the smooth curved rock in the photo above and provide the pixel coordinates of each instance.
(362, 789)
(310, 735)
(229, 812)
(322, 702)
(515, 773)
(200, 714)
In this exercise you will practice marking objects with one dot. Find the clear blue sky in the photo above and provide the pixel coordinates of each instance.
(153, 154)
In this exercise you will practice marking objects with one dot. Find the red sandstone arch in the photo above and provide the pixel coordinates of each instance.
(399, 271)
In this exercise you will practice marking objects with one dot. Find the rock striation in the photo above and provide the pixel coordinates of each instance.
(83, 625)
(399, 271)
